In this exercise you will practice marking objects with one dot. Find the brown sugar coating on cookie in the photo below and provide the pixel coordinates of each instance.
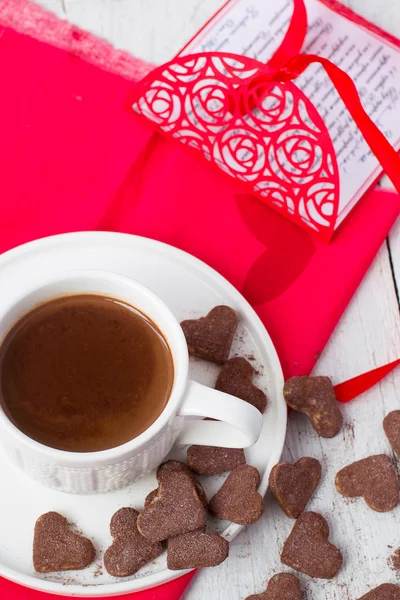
(236, 378)
(308, 549)
(394, 560)
(176, 465)
(130, 551)
(176, 508)
(283, 586)
(195, 550)
(150, 497)
(391, 425)
(315, 397)
(294, 485)
(387, 591)
(199, 488)
(179, 466)
(57, 548)
(209, 460)
(211, 337)
(170, 466)
(374, 478)
(238, 500)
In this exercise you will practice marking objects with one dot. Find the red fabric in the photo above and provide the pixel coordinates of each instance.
(348, 390)
(169, 591)
(72, 158)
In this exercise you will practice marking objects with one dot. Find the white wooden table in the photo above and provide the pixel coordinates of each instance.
(367, 336)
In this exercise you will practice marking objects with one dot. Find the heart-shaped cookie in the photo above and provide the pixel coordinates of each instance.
(176, 465)
(283, 586)
(391, 425)
(387, 591)
(150, 497)
(209, 460)
(195, 550)
(57, 548)
(236, 378)
(238, 500)
(374, 478)
(315, 397)
(293, 485)
(176, 508)
(211, 337)
(308, 549)
(130, 551)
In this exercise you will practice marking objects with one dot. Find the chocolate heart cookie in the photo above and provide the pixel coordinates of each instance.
(150, 497)
(211, 337)
(182, 467)
(374, 478)
(208, 460)
(176, 465)
(130, 551)
(238, 500)
(236, 378)
(308, 549)
(293, 485)
(315, 397)
(283, 586)
(57, 548)
(387, 591)
(195, 550)
(176, 508)
(391, 425)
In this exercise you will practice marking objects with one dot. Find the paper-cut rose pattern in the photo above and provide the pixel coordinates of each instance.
(273, 107)
(263, 132)
(207, 108)
(297, 155)
(163, 104)
(241, 153)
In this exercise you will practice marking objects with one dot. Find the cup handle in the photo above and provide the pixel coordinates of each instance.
(238, 423)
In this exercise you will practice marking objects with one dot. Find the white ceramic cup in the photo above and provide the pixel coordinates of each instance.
(238, 423)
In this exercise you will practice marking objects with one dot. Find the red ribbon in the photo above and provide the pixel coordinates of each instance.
(294, 38)
(288, 63)
(352, 388)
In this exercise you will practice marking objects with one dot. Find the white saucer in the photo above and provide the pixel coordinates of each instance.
(190, 288)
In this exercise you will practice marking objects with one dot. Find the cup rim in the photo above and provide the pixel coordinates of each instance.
(178, 387)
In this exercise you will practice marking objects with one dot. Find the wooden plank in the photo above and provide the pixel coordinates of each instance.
(55, 6)
(394, 245)
(384, 13)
